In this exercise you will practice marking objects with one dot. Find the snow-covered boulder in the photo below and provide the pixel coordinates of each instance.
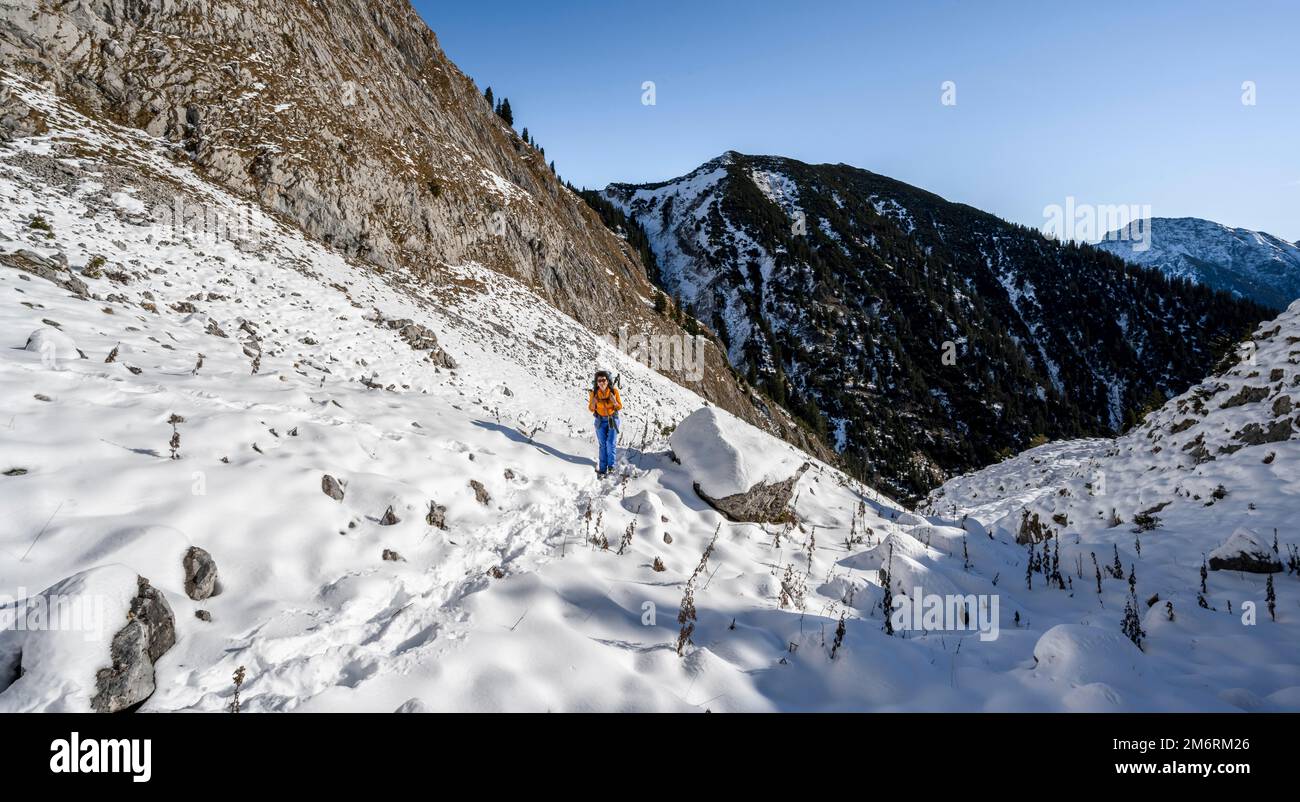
(51, 343)
(1081, 654)
(413, 705)
(1245, 550)
(88, 642)
(744, 473)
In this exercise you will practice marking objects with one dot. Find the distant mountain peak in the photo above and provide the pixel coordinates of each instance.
(1248, 264)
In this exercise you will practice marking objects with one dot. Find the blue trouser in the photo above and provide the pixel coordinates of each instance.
(607, 436)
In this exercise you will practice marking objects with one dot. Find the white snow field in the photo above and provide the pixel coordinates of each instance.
(519, 604)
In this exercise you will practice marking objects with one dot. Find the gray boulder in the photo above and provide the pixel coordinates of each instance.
(481, 494)
(149, 632)
(331, 487)
(200, 574)
(763, 503)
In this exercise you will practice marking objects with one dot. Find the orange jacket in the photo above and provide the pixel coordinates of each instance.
(604, 404)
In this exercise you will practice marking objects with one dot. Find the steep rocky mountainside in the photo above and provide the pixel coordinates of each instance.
(925, 337)
(1249, 264)
(346, 118)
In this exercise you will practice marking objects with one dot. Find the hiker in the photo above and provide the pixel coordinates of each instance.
(604, 403)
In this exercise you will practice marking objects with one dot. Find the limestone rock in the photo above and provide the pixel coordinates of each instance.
(200, 574)
(149, 632)
(331, 487)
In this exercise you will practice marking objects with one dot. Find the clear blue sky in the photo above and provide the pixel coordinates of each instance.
(1123, 102)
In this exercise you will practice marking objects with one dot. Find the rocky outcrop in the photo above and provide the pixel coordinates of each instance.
(1246, 395)
(419, 337)
(149, 632)
(54, 270)
(1254, 434)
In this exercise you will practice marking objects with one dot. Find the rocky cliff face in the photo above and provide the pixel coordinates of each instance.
(346, 118)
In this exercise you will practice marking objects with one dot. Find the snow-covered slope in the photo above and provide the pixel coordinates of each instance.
(277, 354)
(1250, 264)
(548, 589)
(1214, 468)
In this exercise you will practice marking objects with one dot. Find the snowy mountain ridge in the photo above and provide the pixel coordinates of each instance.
(920, 336)
(1250, 264)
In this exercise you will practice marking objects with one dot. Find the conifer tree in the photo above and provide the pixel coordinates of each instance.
(1132, 624)
(888, 601)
